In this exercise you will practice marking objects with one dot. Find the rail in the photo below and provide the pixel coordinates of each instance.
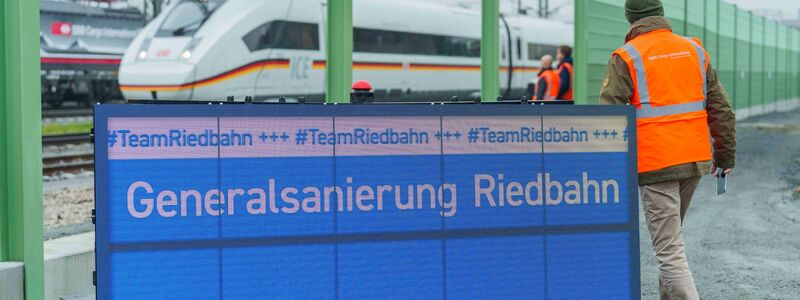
(68, 161)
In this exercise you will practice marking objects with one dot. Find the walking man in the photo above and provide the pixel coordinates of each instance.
(679, 101)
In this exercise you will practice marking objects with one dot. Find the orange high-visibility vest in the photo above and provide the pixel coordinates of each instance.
(669, 82)
(568, 66)
(551, 78)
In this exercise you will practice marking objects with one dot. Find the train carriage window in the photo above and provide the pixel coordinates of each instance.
(536, 51)
(466, 47)
(283, 35)
(395, 42)
(379, 41)
(519, 49)
(424, 44)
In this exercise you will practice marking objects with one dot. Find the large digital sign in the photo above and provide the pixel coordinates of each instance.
(314, 201)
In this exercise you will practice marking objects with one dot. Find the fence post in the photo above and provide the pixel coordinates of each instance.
(21, 226)
(339, 51)
(490, 44)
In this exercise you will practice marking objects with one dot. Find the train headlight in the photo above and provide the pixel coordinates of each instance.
(186, 54)
(142, 55)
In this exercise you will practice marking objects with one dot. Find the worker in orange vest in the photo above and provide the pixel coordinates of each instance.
(679, 101)
(547, 83)
(565, 73)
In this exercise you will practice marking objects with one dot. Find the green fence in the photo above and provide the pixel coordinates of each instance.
(757, 60)
(725, 61)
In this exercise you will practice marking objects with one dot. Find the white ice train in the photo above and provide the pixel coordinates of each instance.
(408, 50)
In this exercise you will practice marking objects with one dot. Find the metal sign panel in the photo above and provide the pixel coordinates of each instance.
(366, 201)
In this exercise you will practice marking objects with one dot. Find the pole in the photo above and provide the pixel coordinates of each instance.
(581, 55)
(21, 226)
(339, 41)
(490, 50)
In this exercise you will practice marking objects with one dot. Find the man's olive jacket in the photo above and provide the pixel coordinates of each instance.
(618, 89)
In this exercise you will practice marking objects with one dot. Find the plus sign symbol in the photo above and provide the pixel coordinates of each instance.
(263, 137)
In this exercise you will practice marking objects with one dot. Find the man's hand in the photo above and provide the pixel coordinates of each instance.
(726, 171)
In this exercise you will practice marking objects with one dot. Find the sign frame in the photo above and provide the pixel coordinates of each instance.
(105, 111)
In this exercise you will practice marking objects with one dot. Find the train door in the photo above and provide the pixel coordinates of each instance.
(506, 64)
(522, 67)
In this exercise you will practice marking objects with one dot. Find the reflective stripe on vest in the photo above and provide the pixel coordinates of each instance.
(702, 56)
(649, 111)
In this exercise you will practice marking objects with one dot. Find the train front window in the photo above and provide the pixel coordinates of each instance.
(187, 17)
(283, 35)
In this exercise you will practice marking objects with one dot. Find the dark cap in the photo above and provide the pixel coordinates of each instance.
(636, 10)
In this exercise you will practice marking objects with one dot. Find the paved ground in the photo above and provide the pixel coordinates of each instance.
(745, 244)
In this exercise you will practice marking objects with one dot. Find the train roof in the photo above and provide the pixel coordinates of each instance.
(69, 8)
(71, 28)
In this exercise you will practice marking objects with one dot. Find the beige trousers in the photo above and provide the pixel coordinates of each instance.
(665, 205)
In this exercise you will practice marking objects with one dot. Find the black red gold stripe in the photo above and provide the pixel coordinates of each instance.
(238, 72)
(79, 61)
(316, 65)
(360, 65)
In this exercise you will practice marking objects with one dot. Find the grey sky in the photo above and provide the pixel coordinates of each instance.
(789, 8)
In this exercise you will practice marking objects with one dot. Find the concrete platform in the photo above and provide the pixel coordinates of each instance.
(11, 281)
(68, 266)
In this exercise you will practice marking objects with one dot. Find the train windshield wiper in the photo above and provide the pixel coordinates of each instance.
(181, 31)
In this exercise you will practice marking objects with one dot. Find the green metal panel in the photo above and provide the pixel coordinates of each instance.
(676, 12)
(757, 62)
(490, 50)
(600, 29)
(726, 60)
(793, 57)
(710, 41)
(770, 41)
(782, 59)
(339, 55)
(742, 67)
(796, 64)
(695, 18)
(21, 142)
(4, 243)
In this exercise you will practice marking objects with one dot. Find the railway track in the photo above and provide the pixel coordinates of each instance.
(70, 161)
(65, 113)
(67, 139)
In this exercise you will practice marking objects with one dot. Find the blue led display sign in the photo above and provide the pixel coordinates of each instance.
(366, 201)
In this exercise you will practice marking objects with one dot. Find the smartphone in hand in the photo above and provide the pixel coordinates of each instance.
(722, 181)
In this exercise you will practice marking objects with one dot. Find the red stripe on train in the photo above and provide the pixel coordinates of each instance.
(79, 61)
